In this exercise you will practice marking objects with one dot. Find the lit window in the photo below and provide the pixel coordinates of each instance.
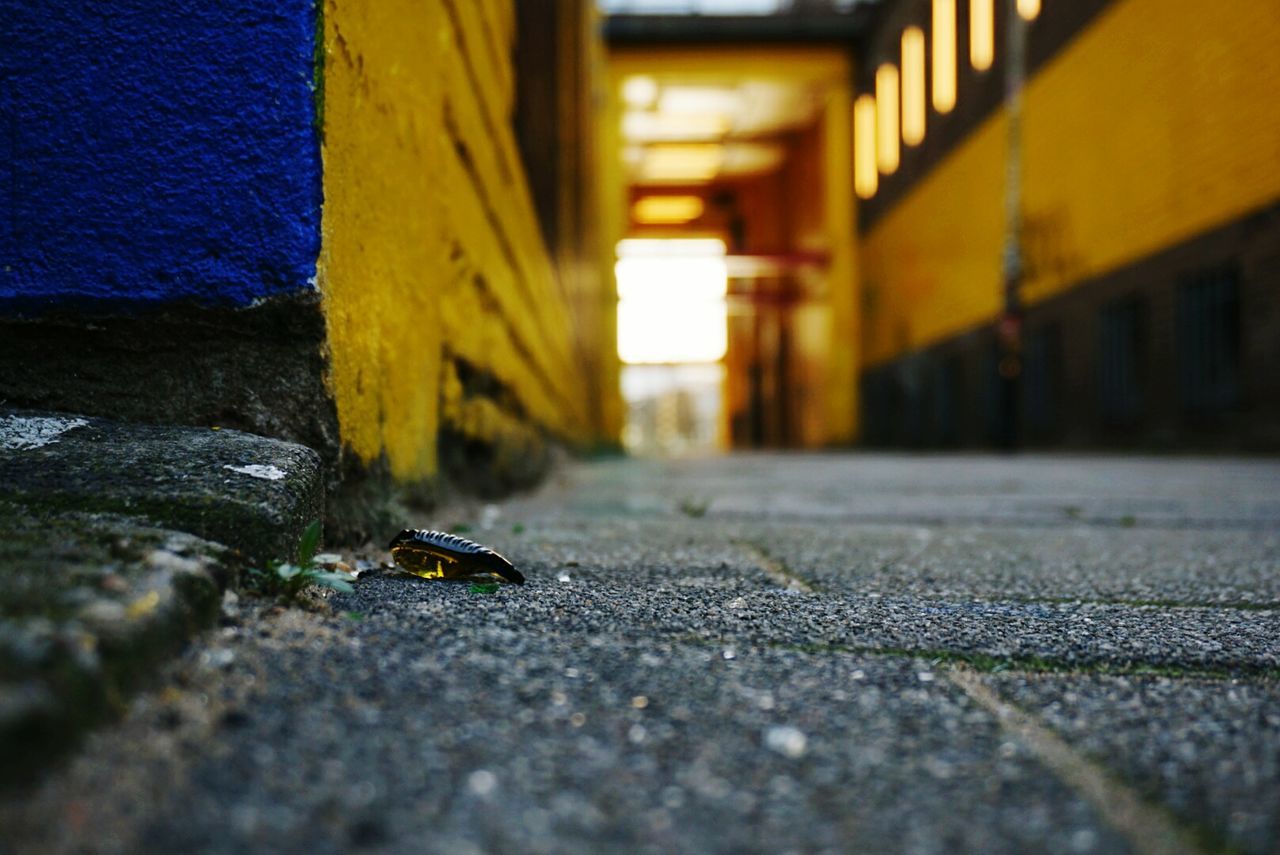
(913, 105)
(865, 177)
(982, 33)
(666, 210)
(887, 118)
(1028, 9)
(944, 55)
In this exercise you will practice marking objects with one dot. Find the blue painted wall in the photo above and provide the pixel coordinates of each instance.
(156, 151)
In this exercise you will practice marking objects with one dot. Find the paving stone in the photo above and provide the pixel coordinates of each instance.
(1025, 490)
(675, 579)
(249, 492)
(1074, 561)
(1140, 565)
(1208, 749)
(475, 738)
(710, 608)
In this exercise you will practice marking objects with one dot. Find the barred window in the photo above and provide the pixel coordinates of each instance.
(992, 395)
(1209, 340)
(878, 406)
(1042, 367)
(1120, 340)
(948, 393)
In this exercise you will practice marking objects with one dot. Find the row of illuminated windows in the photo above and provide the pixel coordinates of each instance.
(898, 108)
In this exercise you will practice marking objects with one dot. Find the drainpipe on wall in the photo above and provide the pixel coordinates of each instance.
(1009, 326)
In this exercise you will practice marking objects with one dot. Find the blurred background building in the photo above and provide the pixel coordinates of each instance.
(1066, 230)
(438, 237)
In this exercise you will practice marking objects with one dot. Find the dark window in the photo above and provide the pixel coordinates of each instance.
(947, 394)
(1209, 341)
(910, 374)
(1042, 366)
(1120, 340)
(992, 396)
(878, 406)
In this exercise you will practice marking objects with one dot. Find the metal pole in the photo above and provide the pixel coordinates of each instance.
(1009, 327)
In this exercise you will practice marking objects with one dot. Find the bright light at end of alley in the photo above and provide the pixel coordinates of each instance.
(671, 301)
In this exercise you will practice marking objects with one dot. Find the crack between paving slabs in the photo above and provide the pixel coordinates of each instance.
(1149, 828)
(1036, 520)
(779, 573)
(776, 570)
(1003, 664)
(1232, 605)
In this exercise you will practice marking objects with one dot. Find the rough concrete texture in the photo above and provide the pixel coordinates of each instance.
(1207, 746)
(259, 369)
(89, 604)
(663, 683)
(1039, 491)
(165, 152)
(248, 492)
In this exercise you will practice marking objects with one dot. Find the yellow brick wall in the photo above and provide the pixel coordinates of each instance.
(431, 249)
(1158, 122)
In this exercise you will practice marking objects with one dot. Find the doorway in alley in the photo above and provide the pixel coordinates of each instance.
(734, 235)
(672, 338)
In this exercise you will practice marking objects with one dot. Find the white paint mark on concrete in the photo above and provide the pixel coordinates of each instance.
(26, 433)
(254, 470)
(482, 782)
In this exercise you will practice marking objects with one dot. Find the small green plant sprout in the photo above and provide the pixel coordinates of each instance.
(287, 580)
(695, 508)
(484, 588)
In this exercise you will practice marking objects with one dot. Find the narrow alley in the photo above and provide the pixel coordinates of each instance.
(664, 426)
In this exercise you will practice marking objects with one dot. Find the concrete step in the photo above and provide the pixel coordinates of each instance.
(249, 492)
(116, 544)
(90, 604)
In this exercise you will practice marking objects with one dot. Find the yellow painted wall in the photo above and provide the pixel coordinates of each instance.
(842, 274)
(431, 249)
(1159, 122)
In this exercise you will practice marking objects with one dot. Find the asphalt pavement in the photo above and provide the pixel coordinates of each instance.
(765, 653)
